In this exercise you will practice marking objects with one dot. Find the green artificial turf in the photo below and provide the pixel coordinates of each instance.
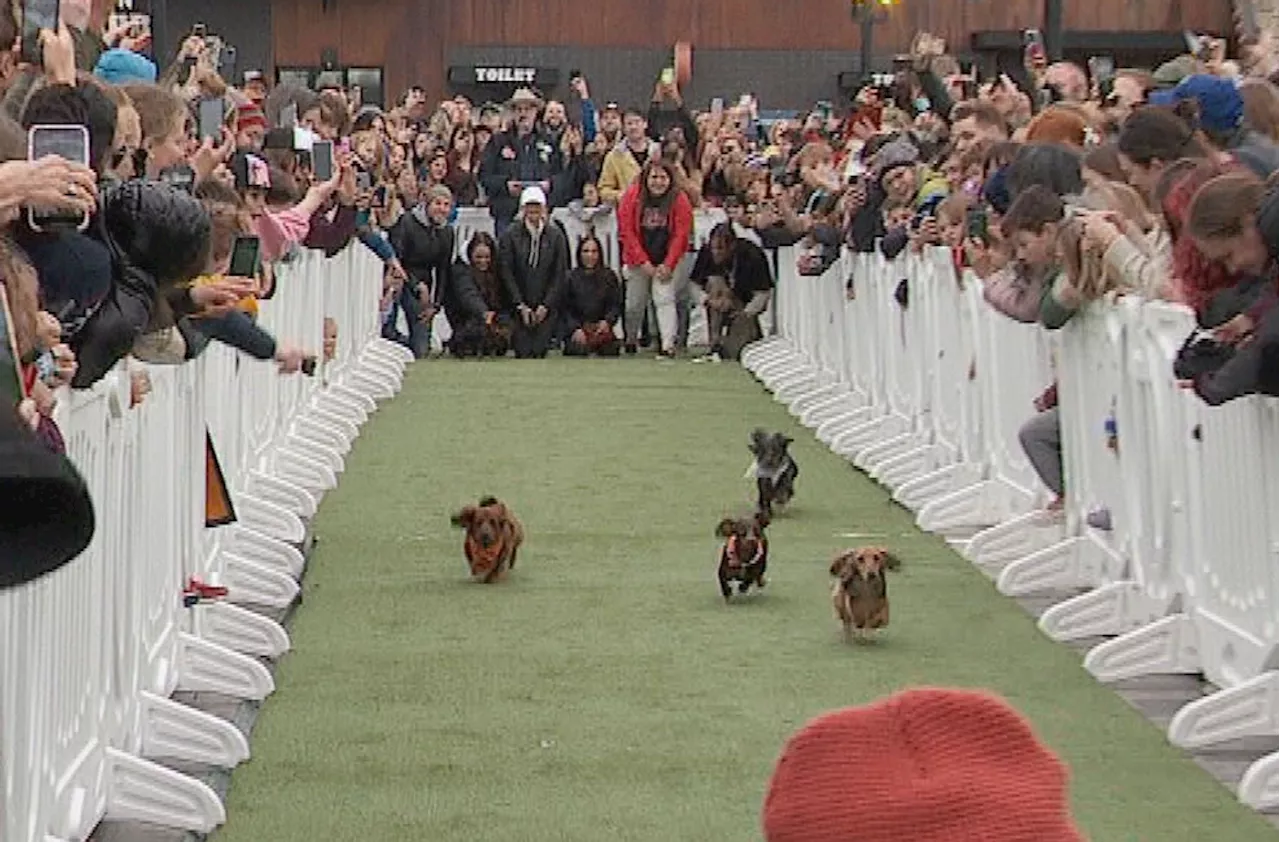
(605, 692)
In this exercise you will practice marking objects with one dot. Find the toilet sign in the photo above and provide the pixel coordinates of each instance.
(504, 75)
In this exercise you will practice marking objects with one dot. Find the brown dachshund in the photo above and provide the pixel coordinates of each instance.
(494, 536)
(860, 594)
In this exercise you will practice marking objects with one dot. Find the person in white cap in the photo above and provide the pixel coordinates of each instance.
(533, 262)
(523, 157)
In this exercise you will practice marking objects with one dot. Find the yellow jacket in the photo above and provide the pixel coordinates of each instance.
(618, 171)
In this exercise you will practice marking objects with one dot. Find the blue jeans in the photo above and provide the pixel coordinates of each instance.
(419, 339)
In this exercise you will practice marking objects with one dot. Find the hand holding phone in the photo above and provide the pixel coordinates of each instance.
(71, 143)
(322, 160)
(245, 257)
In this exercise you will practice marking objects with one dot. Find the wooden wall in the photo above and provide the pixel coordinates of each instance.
(409, 37)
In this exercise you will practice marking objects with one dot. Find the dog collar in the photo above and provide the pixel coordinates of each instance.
(731, 547)
(482, 556)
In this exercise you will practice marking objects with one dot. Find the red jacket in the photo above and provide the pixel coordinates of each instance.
(632, 241)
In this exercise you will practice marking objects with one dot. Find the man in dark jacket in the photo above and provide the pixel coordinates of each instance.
(737, 278)
(424, 243)
(524, 157)
(533, 260)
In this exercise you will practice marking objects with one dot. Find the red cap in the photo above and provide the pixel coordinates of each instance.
(924, 765)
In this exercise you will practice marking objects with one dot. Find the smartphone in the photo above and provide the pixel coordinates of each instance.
(668, 75)
(322, 159)
(37, 15)
(717, 105)
(181, 176)
(227, 62)
(245, 257)
(1102, 70)
(70, 143)
(289, 116)
(380, 196)
(209, 117)
(1033, 50)
(975, 224)
(11, 389)
(364, 181)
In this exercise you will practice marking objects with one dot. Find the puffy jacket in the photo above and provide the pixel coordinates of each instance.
(158, 236)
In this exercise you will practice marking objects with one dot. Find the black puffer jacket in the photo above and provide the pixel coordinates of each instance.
(158, 237)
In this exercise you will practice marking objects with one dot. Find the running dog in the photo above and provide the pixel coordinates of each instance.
(744, 557)
(494, 536)
(860, 595)
(774, 470)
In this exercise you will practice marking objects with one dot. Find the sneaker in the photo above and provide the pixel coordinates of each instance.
(665, 355)
(630, 348)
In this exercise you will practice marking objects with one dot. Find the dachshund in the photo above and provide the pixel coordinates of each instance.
(744, 557)
(494, 536)
(860, 594)
(774, 470)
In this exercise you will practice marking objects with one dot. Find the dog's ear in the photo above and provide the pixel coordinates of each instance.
(488, 500)
(464, 518)
(724, 528)
(841, 561)
(762, 519)
(785, 440)
(758, 439)
(891, 561)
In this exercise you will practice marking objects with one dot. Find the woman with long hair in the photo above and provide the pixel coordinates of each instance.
(462, 163)
(655, 222)
(479, 310)
(591, 304)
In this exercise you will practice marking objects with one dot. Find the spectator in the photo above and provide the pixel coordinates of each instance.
(424, 244)
(655, 221)
(591, 304)
(479, 308)
(734, 273)
(624, 161)
(523, 157)
(533, 260)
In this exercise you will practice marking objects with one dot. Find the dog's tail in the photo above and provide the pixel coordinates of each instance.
(488, 500)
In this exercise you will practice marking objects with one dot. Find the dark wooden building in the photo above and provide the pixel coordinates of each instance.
(789, 52)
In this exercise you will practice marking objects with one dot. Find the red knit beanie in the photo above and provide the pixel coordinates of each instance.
(249, 114)
(924, 765)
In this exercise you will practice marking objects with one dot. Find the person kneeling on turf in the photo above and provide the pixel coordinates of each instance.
(735, 275)
(590, 306)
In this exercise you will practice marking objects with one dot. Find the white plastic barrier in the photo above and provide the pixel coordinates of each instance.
(929, 401)
(90, 654)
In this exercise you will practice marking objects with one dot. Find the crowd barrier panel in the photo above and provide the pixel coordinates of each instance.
(1183, 579)
(90, 654)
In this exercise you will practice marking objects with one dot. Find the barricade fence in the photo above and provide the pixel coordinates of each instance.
(90, 654)
(928, 397)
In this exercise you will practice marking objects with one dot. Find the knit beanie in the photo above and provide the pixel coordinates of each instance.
(891, 156)
(923, 765)
(48, 515)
